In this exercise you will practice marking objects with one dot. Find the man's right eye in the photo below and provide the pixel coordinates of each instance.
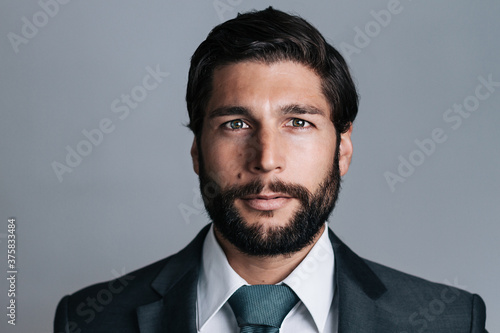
(236, 124)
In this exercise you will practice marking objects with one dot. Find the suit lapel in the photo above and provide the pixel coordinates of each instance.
(357, 286)
(358, 289)
(176, 283)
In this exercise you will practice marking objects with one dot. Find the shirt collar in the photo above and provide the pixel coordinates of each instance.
(312, 280)
(217, 281)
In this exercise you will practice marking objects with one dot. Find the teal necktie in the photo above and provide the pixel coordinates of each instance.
(262, 308)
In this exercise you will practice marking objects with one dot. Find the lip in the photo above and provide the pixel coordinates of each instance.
(267, 202)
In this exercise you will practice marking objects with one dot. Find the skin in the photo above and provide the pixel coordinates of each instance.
(268, 121)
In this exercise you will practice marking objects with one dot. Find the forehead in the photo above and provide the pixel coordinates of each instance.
(257, 85)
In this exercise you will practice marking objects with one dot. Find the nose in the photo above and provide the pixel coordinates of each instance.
(269, 148)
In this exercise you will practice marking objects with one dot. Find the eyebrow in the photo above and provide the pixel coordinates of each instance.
(293, 109)
(229, 111)
(301, 109)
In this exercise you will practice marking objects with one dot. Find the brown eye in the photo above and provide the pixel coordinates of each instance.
(298, 122)
(236, 124)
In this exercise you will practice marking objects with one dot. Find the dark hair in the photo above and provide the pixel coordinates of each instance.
(270, 36)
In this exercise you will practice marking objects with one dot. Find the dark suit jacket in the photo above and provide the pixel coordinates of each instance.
(372, 298)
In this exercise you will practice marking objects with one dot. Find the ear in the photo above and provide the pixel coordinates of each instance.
(195, 156)
(345, 151)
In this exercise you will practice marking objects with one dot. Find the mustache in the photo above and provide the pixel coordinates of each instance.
(256, 186)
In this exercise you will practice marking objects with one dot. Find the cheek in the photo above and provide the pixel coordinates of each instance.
(311, 161)
(223, 161)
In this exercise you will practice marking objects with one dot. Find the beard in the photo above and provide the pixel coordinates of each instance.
(265, 241)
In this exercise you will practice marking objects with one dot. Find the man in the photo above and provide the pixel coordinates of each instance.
(271, 106)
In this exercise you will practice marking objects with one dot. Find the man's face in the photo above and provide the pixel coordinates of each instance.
(267, 161)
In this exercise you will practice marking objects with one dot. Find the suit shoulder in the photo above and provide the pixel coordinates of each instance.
(102, 307)
(424, 303)
(123, 283)
(397, 280)
(111, 306)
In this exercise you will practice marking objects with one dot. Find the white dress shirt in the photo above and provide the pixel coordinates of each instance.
(312, 281)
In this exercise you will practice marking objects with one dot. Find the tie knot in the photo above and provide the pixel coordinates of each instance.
(264, 305)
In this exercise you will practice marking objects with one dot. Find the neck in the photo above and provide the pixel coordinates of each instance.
(263, 270)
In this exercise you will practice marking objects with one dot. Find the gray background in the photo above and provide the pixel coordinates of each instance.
(120, 209)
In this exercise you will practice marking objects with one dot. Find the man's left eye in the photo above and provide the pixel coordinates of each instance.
(297, 122)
